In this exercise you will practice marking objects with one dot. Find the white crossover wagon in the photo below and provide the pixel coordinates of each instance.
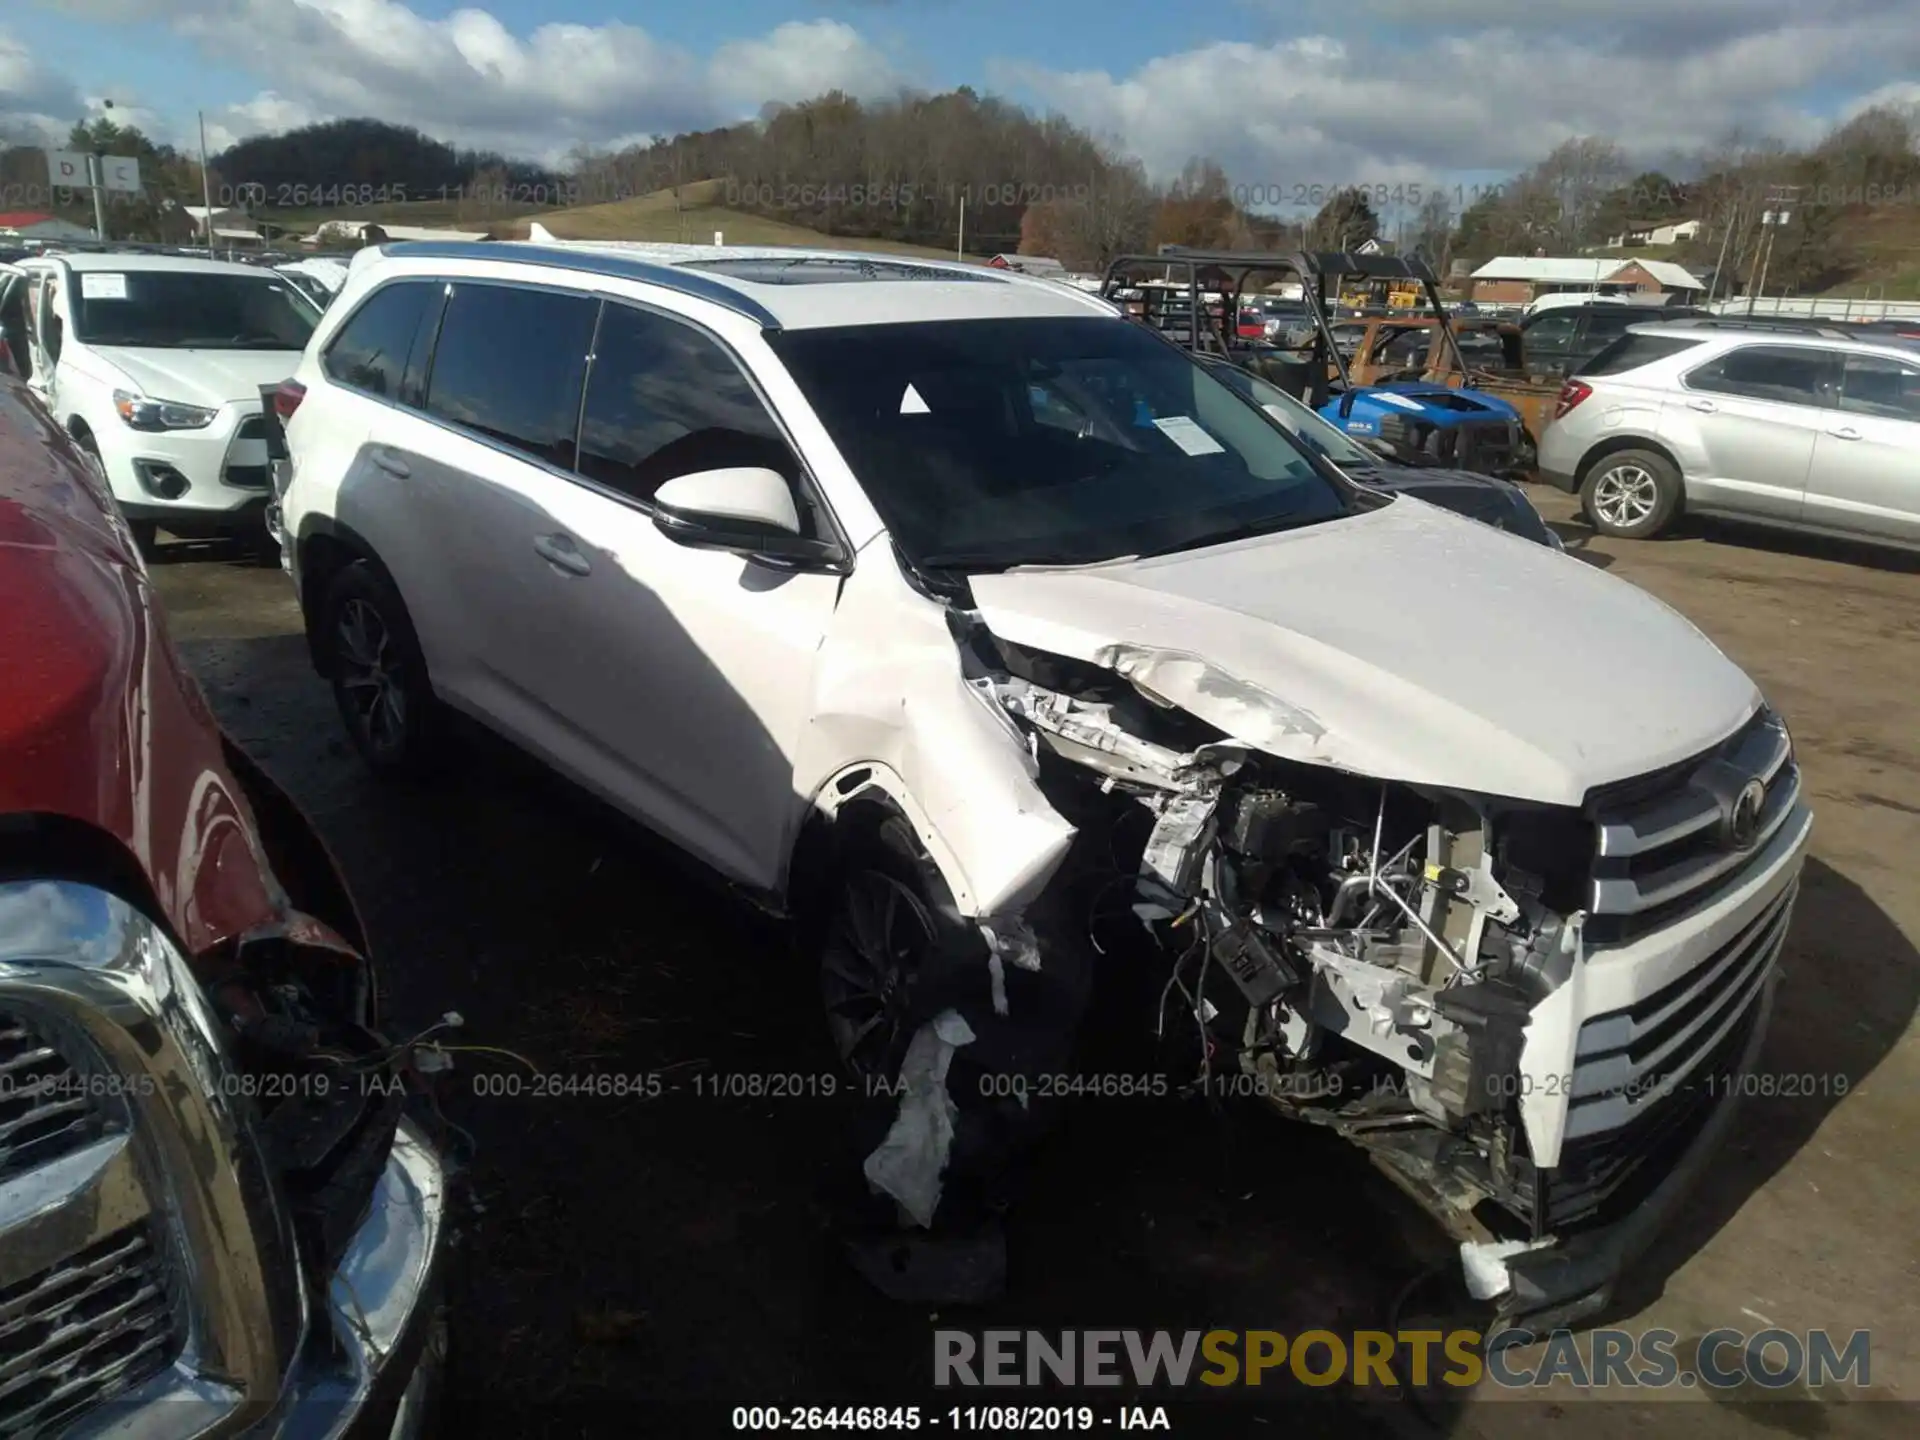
(1008, 650)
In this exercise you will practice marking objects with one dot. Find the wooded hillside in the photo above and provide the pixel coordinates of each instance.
(901, 170)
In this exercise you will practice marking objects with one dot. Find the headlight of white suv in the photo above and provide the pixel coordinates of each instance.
(144, 413)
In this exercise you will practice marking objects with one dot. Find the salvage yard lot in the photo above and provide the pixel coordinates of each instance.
(661, 1255)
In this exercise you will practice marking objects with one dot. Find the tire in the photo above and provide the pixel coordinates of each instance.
(1631, 494)
(875, 1003)
(372, 658)
(995, 1082)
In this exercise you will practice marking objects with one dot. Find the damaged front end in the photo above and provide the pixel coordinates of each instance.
(1528, 1014)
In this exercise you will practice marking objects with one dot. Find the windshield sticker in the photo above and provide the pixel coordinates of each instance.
(1187, 434)
(912, 404)
(101, 285)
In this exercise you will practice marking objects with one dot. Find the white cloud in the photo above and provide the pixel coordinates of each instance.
(468, 79)
(1326, 93)
(1483, 86)
(268, 113)
(33, 99)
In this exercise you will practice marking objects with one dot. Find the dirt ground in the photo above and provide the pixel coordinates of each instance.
(633, 1264)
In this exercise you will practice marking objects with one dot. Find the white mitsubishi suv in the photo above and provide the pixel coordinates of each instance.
(154, 363)
(1007, 650)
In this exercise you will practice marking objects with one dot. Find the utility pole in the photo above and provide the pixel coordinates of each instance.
(960, 246)
(1771, 221)
(206, 183)
(1720, 265)
(94, 179)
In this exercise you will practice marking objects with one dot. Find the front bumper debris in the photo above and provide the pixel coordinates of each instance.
(1566, 1283)
(383, 1307)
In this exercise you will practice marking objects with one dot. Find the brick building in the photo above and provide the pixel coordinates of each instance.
(1521, 279)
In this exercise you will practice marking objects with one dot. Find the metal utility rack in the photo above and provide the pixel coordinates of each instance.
(1187, 274)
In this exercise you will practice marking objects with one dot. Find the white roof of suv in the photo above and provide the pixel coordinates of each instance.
(1761, 335)
(123, 262)
(787, 289)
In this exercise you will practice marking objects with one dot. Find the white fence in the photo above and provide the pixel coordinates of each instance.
(1849, 309)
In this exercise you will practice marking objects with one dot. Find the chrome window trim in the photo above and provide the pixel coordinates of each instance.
(816, 492)
(590, 262)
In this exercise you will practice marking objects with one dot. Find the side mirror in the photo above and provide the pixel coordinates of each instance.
(748, 510)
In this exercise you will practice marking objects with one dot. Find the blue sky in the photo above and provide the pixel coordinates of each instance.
(1283, 92)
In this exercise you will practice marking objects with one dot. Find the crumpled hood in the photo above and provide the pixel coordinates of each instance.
(1405, 643)
(201, 377)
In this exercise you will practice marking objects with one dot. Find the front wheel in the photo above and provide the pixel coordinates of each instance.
(1632, 494)
(888, 923)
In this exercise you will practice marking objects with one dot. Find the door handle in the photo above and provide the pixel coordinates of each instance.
(391, 463)
(560, 552)
(1845, 432)
(1705, 407)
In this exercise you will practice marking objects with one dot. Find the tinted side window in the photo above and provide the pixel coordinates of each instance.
(1630, 352)
(1793, 376)
(1612, 322)
(1554, 333)
(1872, 385)
(509, 365)
(370, 352)
(665, 400)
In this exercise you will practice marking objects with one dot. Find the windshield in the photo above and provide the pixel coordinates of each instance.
(990, 443)
(1310, 429)
(190, 310)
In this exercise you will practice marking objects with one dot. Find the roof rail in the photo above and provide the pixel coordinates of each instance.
(1785, 325)
(590, 262)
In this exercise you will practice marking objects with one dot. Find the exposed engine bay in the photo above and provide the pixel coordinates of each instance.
(1360, 953)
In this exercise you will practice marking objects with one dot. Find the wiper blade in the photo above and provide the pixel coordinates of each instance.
(983, 562)
(1251, 531)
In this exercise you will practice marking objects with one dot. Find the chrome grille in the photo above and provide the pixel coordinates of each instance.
(82, 1331)
(1601, 1178)
(1627, 1062)
(45, 1111)
(1661, 842)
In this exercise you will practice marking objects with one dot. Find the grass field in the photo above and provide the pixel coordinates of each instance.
(689, 217)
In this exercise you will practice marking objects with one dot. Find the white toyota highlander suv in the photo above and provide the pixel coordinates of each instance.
(154, 364)
(995, 640)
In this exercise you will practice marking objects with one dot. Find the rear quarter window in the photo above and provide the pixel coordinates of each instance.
(1633, 352)
(370, 351)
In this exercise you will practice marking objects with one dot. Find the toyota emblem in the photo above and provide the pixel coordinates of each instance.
(1743, 821)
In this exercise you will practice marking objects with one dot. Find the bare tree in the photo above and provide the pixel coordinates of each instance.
(1433, 230)
(1570, 187)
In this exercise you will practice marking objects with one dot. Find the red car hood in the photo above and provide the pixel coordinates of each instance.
(100, 725)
